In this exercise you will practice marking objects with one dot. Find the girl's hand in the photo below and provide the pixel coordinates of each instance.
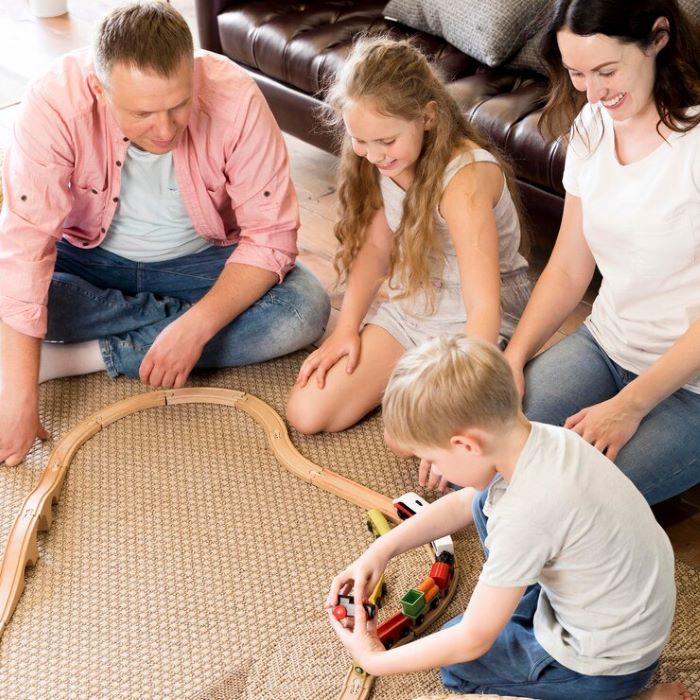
(608, 426)
(360, 637)
(431, 480)
(339, 344)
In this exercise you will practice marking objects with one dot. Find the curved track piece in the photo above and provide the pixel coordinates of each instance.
(35, 514)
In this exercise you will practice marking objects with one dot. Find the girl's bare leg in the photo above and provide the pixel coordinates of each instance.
(346, 398)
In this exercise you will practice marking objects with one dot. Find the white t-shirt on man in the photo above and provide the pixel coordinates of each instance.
(642, 224)
(571, 521)
(151, 223)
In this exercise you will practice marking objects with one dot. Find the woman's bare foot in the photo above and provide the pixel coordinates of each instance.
(665, 691)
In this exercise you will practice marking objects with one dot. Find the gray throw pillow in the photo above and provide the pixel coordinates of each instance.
(489, 30)
(493, 32)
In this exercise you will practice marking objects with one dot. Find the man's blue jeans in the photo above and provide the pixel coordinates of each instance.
(517, 665)
(95, 294)
(662, 458)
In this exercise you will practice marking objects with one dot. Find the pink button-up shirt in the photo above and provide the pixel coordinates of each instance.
(62, 178)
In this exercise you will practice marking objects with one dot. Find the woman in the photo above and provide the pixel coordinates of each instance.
(628, 380)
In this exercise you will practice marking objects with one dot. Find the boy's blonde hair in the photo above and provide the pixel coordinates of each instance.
(148, 34)
(446, 385)
(400, 82)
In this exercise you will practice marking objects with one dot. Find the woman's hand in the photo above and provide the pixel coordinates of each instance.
(608, 425)
(339, 344)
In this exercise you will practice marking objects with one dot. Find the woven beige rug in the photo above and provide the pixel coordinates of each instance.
(185, 562)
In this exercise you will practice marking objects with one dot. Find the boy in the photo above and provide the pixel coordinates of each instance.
(576, 597)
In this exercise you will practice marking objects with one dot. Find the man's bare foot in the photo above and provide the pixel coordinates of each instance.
(665, 691)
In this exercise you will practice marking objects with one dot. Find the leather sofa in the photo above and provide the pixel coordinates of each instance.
(291, 48)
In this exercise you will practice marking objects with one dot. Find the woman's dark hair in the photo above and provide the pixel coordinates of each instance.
(677, 83)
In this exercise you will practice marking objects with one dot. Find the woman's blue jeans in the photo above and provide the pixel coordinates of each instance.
(517, 665)
(662, 458)
(124, 304)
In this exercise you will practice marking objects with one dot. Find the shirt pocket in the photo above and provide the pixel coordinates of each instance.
(661, 254)
(89, 203)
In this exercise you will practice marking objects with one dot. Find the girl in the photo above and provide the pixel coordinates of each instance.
(628, 380)
(422, 204)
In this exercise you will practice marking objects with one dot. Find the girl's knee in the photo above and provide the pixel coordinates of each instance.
(304, 414)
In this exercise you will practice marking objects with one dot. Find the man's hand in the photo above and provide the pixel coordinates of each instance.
(19, 395)
(607, 426)
(19, 427)
(173, 354)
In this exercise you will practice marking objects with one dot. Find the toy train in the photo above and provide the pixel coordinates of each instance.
(418, 601)
(346, 608)
(411, 503)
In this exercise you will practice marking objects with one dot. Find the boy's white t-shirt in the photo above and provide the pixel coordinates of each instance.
(642, 224)
(571, 521)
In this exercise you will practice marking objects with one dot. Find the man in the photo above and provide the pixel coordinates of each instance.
(149, 221)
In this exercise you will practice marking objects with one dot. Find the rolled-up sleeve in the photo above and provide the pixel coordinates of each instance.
(37, 198)
(260, 188)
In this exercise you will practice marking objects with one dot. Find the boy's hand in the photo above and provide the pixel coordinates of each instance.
(359, 638)
(339, 344)
(359, 578)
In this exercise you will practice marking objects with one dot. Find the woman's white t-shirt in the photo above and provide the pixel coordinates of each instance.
(642, 224)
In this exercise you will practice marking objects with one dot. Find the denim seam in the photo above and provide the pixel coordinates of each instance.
(77, 289)
(615, 369)
(108, 357)
(539, 666)
(278, 302)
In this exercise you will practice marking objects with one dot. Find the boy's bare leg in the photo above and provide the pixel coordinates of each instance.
(665, 691)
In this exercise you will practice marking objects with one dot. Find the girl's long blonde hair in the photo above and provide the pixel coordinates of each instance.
(400, 82)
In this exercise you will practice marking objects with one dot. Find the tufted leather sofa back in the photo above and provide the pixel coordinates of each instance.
(293, 48)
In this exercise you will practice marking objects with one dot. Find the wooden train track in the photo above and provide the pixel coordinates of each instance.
(36, 516)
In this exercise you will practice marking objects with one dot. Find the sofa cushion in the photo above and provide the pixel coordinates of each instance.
(489, 31)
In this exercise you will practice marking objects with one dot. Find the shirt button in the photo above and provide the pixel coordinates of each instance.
(102, 230)
(24, 197)
(85, 245)
(115, 199)
(125, 138)
(119, 164)
(93, 190)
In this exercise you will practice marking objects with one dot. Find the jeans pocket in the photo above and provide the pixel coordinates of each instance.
(541, 664)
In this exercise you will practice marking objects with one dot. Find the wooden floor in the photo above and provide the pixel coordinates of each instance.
(28, 45)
